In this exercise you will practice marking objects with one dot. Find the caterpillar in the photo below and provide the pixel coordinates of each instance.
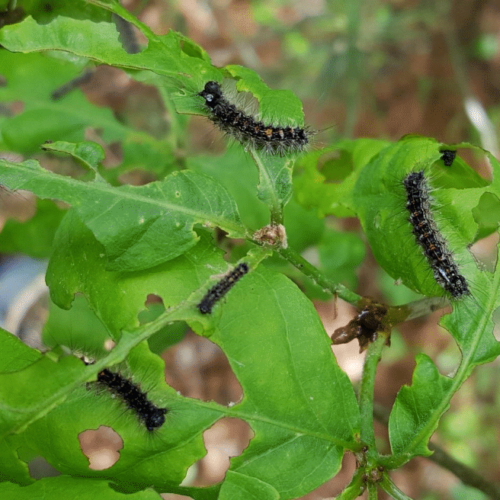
(248, 130)
(221, 288)
(444, 267)
(448, 156)
(136, 400)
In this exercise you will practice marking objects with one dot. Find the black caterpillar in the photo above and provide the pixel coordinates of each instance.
(221, 288)
(448, 156)
(249, 131)
(136, 400)
(445, 270)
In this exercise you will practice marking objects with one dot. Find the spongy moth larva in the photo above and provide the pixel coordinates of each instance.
(441, 261)
(247, 129)
(221, 288)
(448, 156)
(135, 399)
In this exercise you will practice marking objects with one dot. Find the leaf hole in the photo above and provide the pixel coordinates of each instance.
(485, 252)
(101, 446)
(227, 438)
(197, 368)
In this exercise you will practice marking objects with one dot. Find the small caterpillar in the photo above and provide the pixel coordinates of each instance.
(221, 288)
(248, 130)
(136, 400)
(448, 156)
(440, 259)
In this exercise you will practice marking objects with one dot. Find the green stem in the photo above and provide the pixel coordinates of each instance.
(315, 274)
(390, 488)
(366, 393)
(354, 489)
(267, 189)
(372, 491)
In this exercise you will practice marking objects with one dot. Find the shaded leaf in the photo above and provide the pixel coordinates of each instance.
(151, 223)
(15, 355)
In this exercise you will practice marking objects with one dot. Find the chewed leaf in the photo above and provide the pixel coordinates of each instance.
(383, 205)
(159, 456)
(275, 106)
(150, 224)
(320, 184)
(89, 154)
(417, 410)
(285, 342)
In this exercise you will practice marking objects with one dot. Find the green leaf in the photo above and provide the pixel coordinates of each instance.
(309, 406)
(151, 223)
(276, 107)
(71, 487)
(23, 399)
(322, 170)
(78, 328)
(185, 64)
(237, 173)
(117, 298)
(12, 468)
(89, 154)
(237, 486)
(379, 200)
(35, 236)
(31, 78)
(275, 182)
(167, 336)
(418, 408)
(100, 42)
(75, 8)
(159, 458)
(15, 355)
(413, 418)
(340, 254)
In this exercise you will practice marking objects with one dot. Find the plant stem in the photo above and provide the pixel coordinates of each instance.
(372, 491)
(389, 487)
(315, 274)
(366, 394)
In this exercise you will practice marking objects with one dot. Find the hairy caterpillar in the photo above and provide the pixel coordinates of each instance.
(221, 288)
(247, 129)
(441, 261)
(448, 156)
(136, 400)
